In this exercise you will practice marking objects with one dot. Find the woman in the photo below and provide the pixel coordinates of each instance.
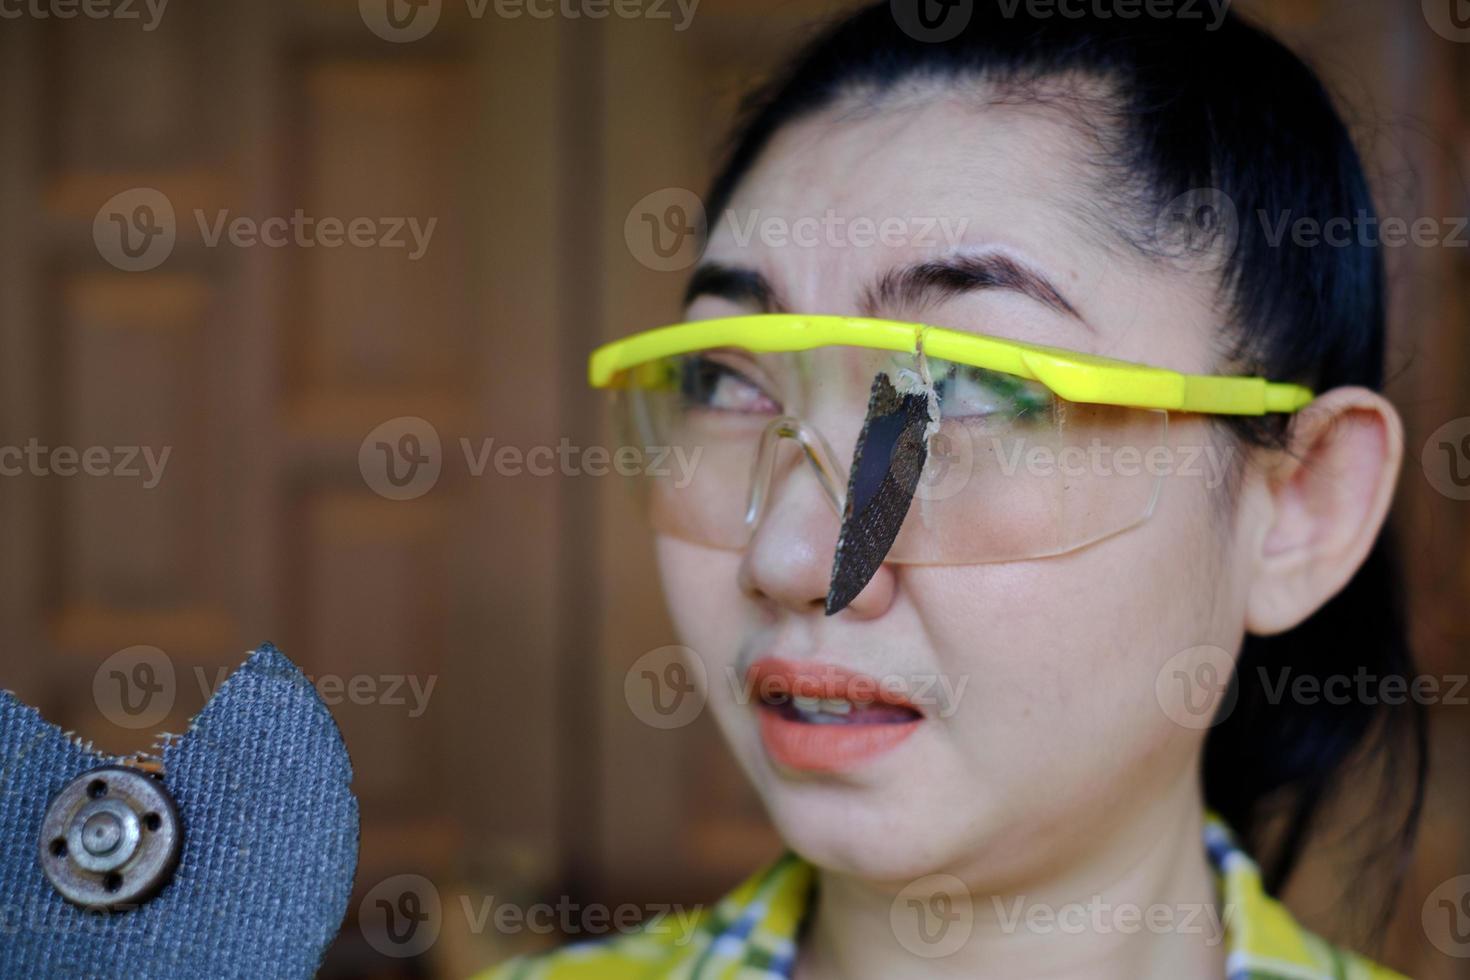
(992, 722)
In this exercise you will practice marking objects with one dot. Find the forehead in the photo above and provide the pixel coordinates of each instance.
(843, 195)
(948, 172)
(941, 155)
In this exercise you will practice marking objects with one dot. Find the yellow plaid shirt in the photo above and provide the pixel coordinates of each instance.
(751, 934)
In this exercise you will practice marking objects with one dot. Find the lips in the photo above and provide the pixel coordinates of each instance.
(824, 718)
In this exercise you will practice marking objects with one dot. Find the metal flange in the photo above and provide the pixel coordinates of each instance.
(110, 838)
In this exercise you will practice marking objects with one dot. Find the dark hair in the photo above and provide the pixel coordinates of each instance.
(1192, 106)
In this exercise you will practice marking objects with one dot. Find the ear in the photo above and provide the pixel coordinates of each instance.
(1328, 497)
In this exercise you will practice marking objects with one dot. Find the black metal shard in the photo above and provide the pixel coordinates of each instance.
(890, 455)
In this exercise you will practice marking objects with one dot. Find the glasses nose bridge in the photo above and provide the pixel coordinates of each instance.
(814, 449)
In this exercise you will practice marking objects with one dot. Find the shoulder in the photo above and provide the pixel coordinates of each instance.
(1269, 943)
(1266, 942)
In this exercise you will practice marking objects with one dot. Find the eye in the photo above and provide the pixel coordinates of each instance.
(975, 393)
(708, 382)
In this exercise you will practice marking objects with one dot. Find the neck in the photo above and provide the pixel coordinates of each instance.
(1138, 899)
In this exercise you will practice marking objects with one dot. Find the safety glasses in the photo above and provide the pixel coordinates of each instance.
(1007, 450)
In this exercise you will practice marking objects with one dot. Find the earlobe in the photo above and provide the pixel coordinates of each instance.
(1329, 495)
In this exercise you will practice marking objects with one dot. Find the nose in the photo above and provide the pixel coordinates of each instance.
(788, 562)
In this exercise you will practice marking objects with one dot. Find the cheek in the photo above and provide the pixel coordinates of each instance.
(1062, 656)
(704, 600)
(712, 618)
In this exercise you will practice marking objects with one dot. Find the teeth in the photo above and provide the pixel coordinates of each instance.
(815, 706)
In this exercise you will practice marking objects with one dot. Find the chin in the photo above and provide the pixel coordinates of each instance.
(879, 831)
(881, 845)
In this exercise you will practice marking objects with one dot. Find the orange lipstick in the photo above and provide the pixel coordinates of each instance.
(824, 718)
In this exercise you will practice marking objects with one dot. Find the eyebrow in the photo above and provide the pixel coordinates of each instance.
(744, 287)
(904, 290)
(914, 287)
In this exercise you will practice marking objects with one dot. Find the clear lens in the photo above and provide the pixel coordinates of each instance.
(1032, 484)
(1013, 471)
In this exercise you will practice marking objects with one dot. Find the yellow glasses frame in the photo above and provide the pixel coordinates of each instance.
(1071, 375)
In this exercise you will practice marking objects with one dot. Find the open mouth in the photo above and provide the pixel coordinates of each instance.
(824, 718)
(837, 711)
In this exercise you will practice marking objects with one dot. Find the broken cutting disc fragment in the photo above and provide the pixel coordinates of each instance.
(890, 455)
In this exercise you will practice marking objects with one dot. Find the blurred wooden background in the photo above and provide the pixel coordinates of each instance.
(524, 598)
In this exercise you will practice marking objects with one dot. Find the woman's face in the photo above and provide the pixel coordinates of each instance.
(1044, 720)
